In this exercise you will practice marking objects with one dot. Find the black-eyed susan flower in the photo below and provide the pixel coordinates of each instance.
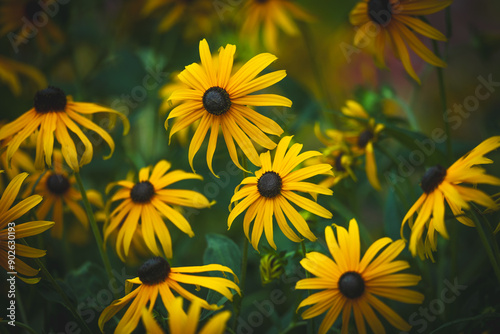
(59, 194)
(440, 184)
(53, 114)
(362, 138)
(350, 284)
(220, 100)
(24, 20)
(11, 70)
(21, 162)
(268, 194)
(180, 322)
(10, 231)
(156, 277)
(144, 204)
(266, 17)
(393, 22)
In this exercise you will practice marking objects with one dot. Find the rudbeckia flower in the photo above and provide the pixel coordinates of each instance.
(269, 16)
(10, 70)
(156, 277)
(144, 205)
(59, 192)
(220, 100)
(440, 184)
(395, 22)
(54, 114)
(9, 230)
(349, 284)
(271, 190)
(180, 322)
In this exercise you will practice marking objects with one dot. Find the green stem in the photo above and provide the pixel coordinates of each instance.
(22, 325)
(495, 260)
(310, 323)
(60, 291)
(95, 229)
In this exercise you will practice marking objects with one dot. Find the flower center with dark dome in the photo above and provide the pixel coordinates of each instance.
(351, 285)
(216, 101)
(269, 184)
(31, 8)
(380, 11)
(142, 192)
(432, 178)
(50, 99)
(58, 184)
(364, 138)
(154, 271)
(338, 163)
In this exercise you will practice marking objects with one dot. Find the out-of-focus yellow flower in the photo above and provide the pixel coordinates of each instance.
(11, 70)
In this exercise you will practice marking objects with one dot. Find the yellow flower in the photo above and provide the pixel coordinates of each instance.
(440, 184)
(156, 277)
(54, 114)
(271, 190)
(58, 190)
(182, 323)
(395, 22)
(271, 16)
(15, 15)
(350, 284)
(10, 71)
(221, 100)
(10, 231)
(147, 202)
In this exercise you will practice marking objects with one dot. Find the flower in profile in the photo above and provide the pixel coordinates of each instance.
(144, 204)
(53, 114)
(181, 322)
(21, 162)
(16, 14)
(10, 71)
(59, 192)
(220, 100)
(440, 184)
(156, 277)
(269, 16)
(8, 215)
(350, 284)
(271, 190)
(362, 138)
(393, 22)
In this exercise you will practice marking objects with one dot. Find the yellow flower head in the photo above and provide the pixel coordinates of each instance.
(144, 204)
(10, 231)
(440, 184)
(156, 277)
(268, 194)
(220, 100)
(349, 283)
(53, 114)
(395, 22)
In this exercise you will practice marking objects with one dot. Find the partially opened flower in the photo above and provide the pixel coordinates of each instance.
(144, 205)
(220, 100)
(440, 184)
(11, 70)
(350, 284)
(268, 194)
(9, 230)
(59, 194)
(180, 322)
(266, 18)
(53, 114)
(394, 23)
(156, 277)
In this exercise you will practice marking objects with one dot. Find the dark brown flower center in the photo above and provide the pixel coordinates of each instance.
(216, 101)
(380, 11)
(50, 99)
(142, 192)
(269, 184)
(432, 178)
(58, 184)
(351, 285)
(364, 138)
(338, 163)
(154, 271)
